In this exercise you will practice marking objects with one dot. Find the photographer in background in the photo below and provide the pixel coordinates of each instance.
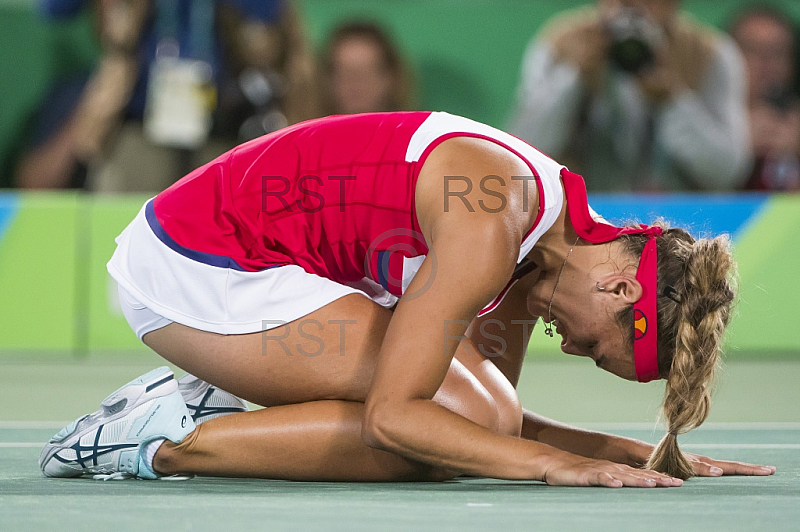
(768, 40)
(638, 96)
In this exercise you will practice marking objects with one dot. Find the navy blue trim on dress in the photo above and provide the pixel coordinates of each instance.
(383, 268)
(220, 261)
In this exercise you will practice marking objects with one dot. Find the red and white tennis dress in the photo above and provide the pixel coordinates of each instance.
(289, 222)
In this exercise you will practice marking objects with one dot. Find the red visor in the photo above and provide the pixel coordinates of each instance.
(645, 322)
(645, 330)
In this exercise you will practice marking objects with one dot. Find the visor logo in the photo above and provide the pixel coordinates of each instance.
(639, 324)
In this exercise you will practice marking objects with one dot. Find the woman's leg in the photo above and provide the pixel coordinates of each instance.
(314, 432)
(328, 354)
(509, 409)
(319, 440)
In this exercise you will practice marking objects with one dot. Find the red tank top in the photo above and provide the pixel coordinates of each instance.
(317, 195)
(334, 196)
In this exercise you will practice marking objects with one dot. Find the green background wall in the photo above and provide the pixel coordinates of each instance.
(38, 274)
(465, 53)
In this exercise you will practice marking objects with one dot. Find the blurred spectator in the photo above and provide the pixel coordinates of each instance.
(365, 72)
(178, 83)
(637, 96)
(768, 40)
(50, 158)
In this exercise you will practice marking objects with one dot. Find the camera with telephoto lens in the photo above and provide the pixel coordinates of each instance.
(634, 40)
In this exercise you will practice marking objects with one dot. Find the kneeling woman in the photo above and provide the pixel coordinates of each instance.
(373, 281)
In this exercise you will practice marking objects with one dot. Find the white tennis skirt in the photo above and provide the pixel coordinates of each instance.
(158, 285)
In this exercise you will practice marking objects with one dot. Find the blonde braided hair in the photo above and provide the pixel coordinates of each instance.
(690, 331)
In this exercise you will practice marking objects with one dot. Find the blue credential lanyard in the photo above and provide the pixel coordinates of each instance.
(200, 31)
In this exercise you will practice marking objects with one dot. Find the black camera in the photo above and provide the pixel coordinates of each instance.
(250, 105)
(634, 39)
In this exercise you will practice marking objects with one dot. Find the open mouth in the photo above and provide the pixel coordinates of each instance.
(562, 333)
(564, 337)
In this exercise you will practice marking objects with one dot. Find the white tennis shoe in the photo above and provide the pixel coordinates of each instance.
(109, 443)
(207, 402)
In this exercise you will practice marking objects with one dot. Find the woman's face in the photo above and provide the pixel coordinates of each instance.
(360, 81)
(592, 331)
(586, 315)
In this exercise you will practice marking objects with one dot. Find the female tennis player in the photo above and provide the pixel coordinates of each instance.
(373, 281)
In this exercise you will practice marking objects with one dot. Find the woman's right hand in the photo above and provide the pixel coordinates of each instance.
(580, 471)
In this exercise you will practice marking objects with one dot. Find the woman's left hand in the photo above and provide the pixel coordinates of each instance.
(708, 467)
(638, 453)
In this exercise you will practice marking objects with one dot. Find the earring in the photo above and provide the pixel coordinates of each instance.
(601, 288)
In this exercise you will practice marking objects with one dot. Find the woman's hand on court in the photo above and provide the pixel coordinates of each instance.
(708, 467)
(579, 471)
(703, 465)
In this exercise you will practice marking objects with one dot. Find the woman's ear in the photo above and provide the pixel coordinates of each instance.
(623, 287)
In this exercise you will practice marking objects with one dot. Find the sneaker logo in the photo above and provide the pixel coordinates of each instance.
(183, 422)
(149, 418)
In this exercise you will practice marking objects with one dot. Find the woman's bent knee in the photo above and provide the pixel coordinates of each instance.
(462, 393)
(509, 411)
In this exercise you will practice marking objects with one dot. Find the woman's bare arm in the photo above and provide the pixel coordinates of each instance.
(591, 444)
(422, 337)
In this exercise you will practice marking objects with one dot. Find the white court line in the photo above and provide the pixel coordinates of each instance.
(29, 444)
(33, 424)
(591, 425)
(718, 425)
(742, 445)
(596, 425)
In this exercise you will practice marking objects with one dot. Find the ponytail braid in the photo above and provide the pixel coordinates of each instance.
(690, 331)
